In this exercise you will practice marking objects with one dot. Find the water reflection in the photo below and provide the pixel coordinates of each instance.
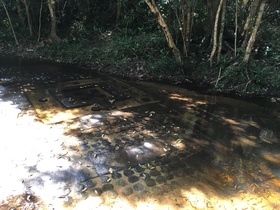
(188, 151)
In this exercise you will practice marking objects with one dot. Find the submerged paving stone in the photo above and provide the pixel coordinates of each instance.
(133, 179)
(97, 191)
(127, 191)
(138, 187)
(128, 172)
(160, 179)
(78, 187)
(68, 200)
(144, 175)
(107, 187)
(116, 175)
(138, 169)
(82, 176)
(154, 172)
(90, 183)
(111, 194)
(105, 179)
(150, 182)
(121, 183)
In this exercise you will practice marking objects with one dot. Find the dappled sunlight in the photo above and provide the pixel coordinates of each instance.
(189, 151)
(272, 157)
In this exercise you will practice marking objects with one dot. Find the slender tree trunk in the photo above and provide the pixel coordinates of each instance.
(40, 21)
(29, 19)
(118, 10)
(53, 36)
(188, 28)
(215, 32)
(20, 14)
(236, 28)
(254, 32)
(10, 21)
(250, 21)
(153, 7)
(222, 30)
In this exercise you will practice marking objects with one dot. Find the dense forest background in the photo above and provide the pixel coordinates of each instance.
(228, 45)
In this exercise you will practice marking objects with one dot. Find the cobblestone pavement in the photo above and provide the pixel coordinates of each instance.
(145, 146)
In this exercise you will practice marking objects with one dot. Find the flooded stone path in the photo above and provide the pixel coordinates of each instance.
(72, 139)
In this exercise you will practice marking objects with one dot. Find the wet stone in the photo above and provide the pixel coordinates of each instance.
(128, 172)
(107, 187)
(105, 179)
(116, 175)
(97, 191)
(154, 172)
(144, 175)
(112, 194)
(133, 179)
(127, 191)
(175, 158)
(164, 169)
(78, 187)
(68, 200)
(121, 183)
(90, 183)
(150, 182)
(138, 169)
(160, 179)
(102, 169)
(138, 187)
(82, 176)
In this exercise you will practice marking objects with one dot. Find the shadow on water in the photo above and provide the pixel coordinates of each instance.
(188, 151)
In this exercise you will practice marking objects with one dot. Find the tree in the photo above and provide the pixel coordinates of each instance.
(254, 31)
(53, 35)
(26, 4)
(213, 52)
(153, 7)
(10, 21)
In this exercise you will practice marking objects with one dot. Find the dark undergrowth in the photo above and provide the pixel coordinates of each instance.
(145, 56)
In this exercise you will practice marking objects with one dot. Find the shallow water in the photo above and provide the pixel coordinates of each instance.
(177, 149)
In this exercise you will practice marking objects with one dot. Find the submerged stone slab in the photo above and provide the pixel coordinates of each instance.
(67, 100)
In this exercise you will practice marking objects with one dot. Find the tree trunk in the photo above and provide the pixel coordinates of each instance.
(10, 21)
(53, 36)
(220, 46)
(164, 26)
(215, 32)
(20, 14)
(40, 22)
(236, 28)
(29, 19)
(254, 32)
(250, 22)
(118, 10)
